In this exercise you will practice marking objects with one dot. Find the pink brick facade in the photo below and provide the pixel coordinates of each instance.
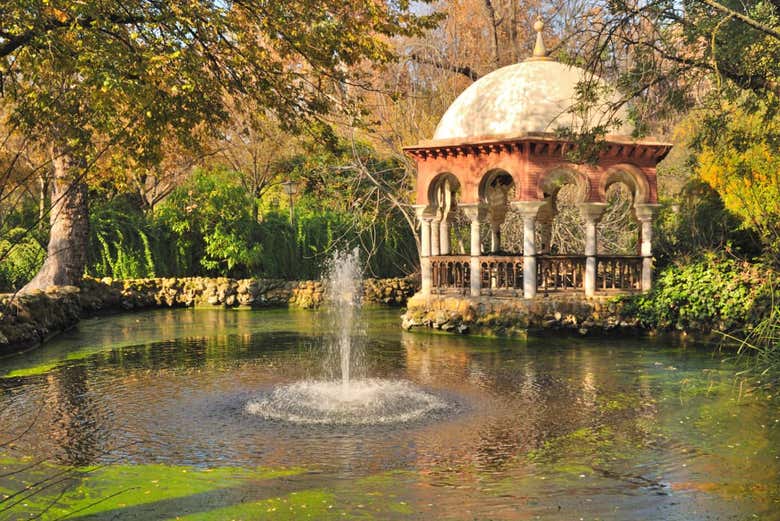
(530, 161)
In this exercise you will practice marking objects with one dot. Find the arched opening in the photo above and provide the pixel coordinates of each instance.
(443, 182)
(503, 235)
(623, 187)
(443, 196)
(619, 263)
(449, 235)
(632, 177)
(618, 229)
(560, 227)
(496, 190)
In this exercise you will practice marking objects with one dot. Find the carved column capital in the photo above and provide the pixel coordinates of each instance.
(591, 212)
(474, 211)
(527, 208)
(423, 212)
(645, 212)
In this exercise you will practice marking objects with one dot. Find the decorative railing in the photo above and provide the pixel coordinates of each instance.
(451, 272)
(618, 272)
(501, 272)
(560, 272)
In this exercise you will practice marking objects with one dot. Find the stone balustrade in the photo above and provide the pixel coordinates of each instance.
(504, 274)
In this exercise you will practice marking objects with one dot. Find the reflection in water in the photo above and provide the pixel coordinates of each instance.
(75, 423)
(602, 429)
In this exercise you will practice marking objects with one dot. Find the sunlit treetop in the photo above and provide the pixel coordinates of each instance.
(94, 72)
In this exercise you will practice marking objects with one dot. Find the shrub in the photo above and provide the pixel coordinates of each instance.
(714, 293)
(698, 222)
(21, 255)
(210, 219)
(123, 242)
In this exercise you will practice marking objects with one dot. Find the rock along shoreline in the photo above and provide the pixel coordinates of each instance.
(27, 321)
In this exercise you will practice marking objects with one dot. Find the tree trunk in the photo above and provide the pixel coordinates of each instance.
(515, 33)
(66, 255)
(42, 200)
(493, 30)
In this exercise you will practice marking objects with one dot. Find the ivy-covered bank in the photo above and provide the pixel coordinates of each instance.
(712, 294)
(28, 320)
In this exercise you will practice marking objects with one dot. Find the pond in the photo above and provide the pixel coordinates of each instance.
(144, 416)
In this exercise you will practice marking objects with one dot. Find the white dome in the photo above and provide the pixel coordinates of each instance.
(531, 96)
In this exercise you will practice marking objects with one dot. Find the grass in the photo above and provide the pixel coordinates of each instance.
(762, 345)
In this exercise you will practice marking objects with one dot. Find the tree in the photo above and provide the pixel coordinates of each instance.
(253, 144)
(88, 77)
(214, 229)
(741, 161)
(716, 65)
(669, 57)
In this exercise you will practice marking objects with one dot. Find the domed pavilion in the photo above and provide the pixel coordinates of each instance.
(499, 147)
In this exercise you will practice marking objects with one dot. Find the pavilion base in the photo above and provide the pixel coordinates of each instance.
(516, 316)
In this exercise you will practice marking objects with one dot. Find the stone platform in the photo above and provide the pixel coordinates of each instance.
(516, 316)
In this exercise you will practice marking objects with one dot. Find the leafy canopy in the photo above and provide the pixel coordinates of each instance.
(96, 72)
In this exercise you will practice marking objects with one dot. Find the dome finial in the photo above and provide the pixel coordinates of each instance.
(540, 51)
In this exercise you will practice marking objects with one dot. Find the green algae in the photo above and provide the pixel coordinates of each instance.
(583, 442)
(308, 504)
(45, 367)
(618, 402)
(200, 494)
(119, 489)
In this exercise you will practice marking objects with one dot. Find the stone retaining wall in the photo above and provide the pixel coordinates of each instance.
(495, 316)
(28, 320)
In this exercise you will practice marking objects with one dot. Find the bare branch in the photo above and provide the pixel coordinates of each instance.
(458, 69)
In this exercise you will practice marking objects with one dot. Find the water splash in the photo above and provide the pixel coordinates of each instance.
(364, 402)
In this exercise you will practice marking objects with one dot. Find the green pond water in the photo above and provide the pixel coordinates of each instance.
(144, 416)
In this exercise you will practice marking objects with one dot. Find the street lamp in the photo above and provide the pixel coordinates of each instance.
(290, 188)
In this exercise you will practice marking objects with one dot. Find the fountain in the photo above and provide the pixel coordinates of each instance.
(347, 397)
(343, 288)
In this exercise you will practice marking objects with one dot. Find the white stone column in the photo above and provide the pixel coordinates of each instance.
(528, 210)
(435, 236)
(444, 236)
(425, 248)
(644, 214)
(591, 213)
(475, 213)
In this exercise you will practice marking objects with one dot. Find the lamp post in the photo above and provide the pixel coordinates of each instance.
(290, 188)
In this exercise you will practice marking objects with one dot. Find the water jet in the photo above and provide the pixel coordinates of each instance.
(348, 397)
